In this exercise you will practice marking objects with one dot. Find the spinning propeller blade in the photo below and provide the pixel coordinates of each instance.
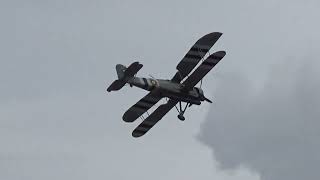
(208, 100)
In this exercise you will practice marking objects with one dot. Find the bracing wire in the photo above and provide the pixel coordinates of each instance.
(177, 108)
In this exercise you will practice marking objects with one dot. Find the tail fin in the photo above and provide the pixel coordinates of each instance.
(124, 74)
(120, 70)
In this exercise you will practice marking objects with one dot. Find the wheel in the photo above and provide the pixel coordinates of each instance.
(181, 117)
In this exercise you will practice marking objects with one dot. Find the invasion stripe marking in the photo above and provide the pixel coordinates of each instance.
(209, 63)
(152, 88)
(190, 61)
(146, 125)
(215, 58)
(201, 46)
(195, 52)
(145, 83)
(199, 49)
(141, 129)
(193, 56)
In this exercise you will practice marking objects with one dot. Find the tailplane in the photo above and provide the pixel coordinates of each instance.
(124, 74)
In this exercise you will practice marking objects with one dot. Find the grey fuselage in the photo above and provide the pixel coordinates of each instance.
(169, 89)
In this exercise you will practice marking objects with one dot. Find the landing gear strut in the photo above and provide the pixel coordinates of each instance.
(181, 111)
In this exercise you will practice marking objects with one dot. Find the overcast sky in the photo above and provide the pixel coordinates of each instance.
(268, 121)
(58, 57)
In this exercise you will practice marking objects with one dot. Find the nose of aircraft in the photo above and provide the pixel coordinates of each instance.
(206, 99)
(203, 98)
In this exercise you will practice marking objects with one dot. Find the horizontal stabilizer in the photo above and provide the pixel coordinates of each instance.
(124, 74)
(132, 69)
(116, 85)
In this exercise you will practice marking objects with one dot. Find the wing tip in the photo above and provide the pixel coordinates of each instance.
(136, 134)
(219, 54)
(126, 118)
(215, 34)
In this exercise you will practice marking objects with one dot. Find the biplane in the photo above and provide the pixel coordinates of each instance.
(180, 91)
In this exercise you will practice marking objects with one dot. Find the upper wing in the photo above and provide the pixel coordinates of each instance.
(151, 120)
(141, 106)
(203, 69)
(195, 54)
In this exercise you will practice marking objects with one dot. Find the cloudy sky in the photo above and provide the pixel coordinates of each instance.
(58, 122)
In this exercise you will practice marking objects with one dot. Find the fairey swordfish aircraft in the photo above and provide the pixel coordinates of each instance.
(180, 89)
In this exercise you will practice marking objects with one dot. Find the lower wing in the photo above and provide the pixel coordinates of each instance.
(151, 120)
(142, 106)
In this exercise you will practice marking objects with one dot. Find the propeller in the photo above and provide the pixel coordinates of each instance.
(208, 100)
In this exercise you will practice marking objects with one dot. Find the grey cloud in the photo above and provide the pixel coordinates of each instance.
(272, 128)
(58, 57)
(266, 115)
(275, 130)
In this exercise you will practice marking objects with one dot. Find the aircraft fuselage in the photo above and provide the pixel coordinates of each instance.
(169, 89)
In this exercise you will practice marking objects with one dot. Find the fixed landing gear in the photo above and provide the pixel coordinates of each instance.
(182, 111)
(181, 117)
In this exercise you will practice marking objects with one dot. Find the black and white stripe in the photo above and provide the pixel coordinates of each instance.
(195, 54)
(203, 69)
(151, 120)
(142, 106)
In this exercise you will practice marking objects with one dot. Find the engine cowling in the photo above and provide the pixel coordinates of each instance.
(201, 95)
